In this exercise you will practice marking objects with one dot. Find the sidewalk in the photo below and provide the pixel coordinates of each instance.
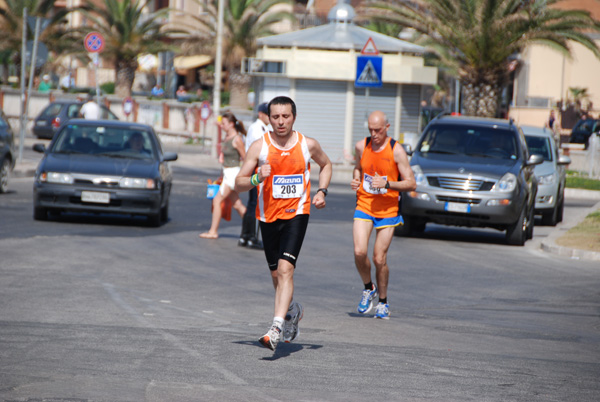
(192, 156)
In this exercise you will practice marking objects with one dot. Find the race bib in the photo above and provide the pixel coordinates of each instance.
(288, 186)
(368, 185)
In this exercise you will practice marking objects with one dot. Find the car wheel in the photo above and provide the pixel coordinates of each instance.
(40, 214)
(516, 233)
(551, 218)
(4, 172)
(154, 220)
(530, 224)
(164, 213)
(406, 229)
(561, 209)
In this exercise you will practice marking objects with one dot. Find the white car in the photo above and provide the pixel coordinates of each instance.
(550, 198)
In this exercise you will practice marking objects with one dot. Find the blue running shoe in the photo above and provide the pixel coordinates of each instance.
(382, 311)
(366, 301)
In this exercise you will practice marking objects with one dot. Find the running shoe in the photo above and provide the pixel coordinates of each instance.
(271, 338)
(290, 325)
(366, 301)
(382, 311)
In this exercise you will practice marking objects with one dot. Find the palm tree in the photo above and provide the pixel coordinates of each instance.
(478, 39)
(11, 27)
(128, 32)
(244, 22)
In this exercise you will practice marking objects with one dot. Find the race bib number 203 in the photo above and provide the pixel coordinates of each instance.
(288, 186)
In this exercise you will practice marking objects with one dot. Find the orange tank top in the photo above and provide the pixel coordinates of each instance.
(379, 203)
(286, 192)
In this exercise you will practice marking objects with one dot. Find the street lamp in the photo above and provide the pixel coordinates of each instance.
(218, 64)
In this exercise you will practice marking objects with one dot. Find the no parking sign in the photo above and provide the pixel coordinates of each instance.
(93, 42)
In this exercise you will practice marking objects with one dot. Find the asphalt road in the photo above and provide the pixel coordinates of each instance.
(109, 309)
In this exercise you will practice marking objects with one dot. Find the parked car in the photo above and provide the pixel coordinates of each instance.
(58, 113)
(583, 129)
(7, 151)
(473, 172)
(103, 166)
(551, 174)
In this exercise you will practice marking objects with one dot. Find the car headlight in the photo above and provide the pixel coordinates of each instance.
(419, 176)
(57, 178)
(136, 182)
(507, 183)
(547, 179)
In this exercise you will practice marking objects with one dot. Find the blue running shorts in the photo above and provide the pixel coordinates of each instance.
(378, 223)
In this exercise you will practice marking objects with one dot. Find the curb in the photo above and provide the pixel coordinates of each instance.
(549, 244)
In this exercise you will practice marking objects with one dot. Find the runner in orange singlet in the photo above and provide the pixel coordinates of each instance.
(283, 179)
(381, 173)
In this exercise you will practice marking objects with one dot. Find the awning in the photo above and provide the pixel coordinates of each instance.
(189, 62)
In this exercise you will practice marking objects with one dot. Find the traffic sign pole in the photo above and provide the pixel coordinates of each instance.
(94, 43)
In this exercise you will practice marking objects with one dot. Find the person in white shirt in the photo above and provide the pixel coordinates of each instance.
(249, 236)
(90, 110)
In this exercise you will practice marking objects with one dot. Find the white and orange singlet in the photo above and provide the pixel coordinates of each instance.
(286, 192)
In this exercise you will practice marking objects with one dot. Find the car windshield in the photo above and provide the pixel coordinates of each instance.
(539, 146)
(52, 110)
(119, 142)
(586, 125)
(468, 140)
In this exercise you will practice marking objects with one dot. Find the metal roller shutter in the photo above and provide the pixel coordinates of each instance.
(409, 120)
(383, 99)
(321, 111)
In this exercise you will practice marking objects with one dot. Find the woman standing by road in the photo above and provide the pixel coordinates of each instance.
(232, 153)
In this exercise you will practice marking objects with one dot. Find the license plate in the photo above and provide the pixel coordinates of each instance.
(96, 197)
(41, 123)
(457, 207)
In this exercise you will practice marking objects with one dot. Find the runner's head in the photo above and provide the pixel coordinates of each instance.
(282, 115)
(282, 100)
(378, 127)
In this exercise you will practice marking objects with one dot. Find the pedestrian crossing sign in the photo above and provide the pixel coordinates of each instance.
(368, 72)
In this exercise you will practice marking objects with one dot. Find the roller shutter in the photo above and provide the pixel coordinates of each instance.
(321, 112)
(383, 99)
(409, 120)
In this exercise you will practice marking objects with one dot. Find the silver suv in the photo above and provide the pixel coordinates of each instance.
(473, 172)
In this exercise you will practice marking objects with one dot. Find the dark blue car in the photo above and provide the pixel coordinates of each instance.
(104, 167)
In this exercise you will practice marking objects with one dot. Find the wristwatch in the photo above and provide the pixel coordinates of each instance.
(323, 190)
(387, 184)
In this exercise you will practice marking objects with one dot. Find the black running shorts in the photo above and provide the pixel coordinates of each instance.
(283, 239)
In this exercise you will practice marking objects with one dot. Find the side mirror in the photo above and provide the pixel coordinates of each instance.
(169, 156)
(41, 148)
(564, 160)
(407, 149)
(535, 159)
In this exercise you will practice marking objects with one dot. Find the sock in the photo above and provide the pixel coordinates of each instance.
(369, 286)
(278, 321)
(384, 300)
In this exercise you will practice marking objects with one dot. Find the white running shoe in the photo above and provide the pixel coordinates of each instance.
(271, 338)
(290, 325)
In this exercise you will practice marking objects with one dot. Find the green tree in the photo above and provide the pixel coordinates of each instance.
(128, 31)
(477, 39)
(244, 21)
(11, 27)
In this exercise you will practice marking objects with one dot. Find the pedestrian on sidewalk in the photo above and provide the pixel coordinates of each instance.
(283, 179)
(232, 152)
(381, 173)
(249, 235)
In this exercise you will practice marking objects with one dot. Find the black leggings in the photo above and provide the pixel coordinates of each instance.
(283, 239)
